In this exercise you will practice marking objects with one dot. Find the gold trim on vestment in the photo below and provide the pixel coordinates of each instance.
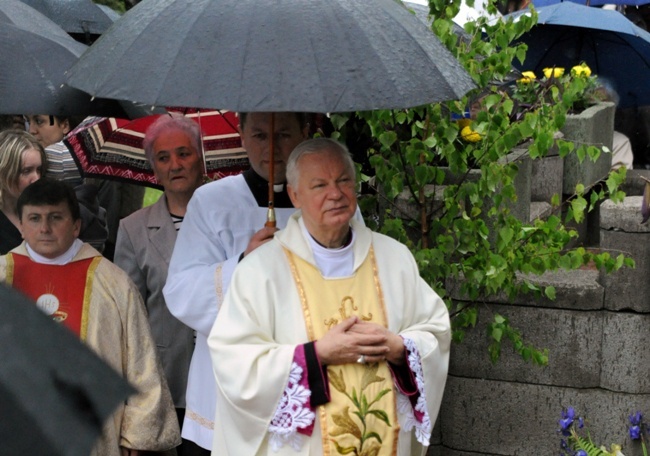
(346, 309)
(10, 269)
(90, 277)
(380, 292)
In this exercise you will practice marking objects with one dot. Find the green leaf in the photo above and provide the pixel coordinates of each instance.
(387, 139)
(550, 292)
(383, 416)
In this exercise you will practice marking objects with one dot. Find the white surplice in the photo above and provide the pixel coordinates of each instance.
(221, 218)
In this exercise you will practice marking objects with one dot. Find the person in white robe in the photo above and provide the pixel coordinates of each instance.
(328, 340)
(70, 281)
(223, 223)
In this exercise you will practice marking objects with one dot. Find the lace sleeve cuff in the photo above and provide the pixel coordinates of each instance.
(293, 415)
(412, 409)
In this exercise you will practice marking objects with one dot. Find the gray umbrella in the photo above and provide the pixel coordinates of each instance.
(282, 55)
(74, 16)
(55, 392)
(34, 54)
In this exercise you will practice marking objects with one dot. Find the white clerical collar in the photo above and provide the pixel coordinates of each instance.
(65, 258)
(332, 263)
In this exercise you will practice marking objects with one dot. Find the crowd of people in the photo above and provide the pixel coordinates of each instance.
(315, 336)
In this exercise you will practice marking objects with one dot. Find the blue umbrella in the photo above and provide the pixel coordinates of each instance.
(539, 3)
(616, 50)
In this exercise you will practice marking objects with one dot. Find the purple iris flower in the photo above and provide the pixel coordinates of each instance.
(566, 421)
(581, 453)
(635, 428)
(635, 419)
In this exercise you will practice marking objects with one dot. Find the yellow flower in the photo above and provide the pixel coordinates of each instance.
(527, 77)
(581, 70)
(469, 135)
(553, 72)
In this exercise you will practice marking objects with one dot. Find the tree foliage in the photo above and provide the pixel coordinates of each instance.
(460, 180)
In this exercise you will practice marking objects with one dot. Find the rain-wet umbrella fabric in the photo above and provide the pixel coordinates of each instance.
(55, 392)
(110, 147)
(279, 55)
(34, 55)
(615, 49)
(21, 15)
(74, 16)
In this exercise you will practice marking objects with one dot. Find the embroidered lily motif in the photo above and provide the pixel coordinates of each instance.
(356, 423)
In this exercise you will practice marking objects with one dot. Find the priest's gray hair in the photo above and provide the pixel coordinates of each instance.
(317, 146)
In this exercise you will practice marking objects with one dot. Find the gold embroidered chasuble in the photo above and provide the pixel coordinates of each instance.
(361, 417)
(116, 328)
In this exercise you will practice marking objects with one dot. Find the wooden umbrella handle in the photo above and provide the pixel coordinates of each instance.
(270, 215)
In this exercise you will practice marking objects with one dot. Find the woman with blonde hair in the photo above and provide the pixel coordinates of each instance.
(22, 161)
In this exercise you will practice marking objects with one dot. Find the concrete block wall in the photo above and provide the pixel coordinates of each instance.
(593, 126)
(598, 358)
(621, 231)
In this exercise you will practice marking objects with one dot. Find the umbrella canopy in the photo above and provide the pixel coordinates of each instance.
(539, 3)
(35, 53)
(110, 12)
(74, 16)
(289, 55)
(110, 147)
(25, 17)
(55, 392)
(615, 49)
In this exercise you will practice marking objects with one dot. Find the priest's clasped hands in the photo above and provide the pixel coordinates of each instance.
(354, 340)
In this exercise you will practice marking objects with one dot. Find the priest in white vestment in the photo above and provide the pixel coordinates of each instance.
(328, 340)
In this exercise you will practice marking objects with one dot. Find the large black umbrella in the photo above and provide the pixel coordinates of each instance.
(611, 45)
(55, 392)
(34, 55)
(74, 16)
(279, 55)
(284, 55)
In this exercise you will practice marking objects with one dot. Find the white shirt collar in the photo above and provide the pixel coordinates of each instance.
(65, 258)
(332, 263)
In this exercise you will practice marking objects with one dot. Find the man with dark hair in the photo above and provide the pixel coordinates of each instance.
(77, 287)
(224, 222)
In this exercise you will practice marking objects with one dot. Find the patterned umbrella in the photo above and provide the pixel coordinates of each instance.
(112, 147)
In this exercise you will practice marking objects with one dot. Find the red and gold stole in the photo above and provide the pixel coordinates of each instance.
(361, 417)
(62, 292)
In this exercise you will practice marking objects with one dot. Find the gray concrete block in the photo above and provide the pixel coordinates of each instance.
(634, 182)
(407, 208)
(574, 290)
(624, 216)
(593, 126)
(573, 339)
(627, 288)
(522, 182)
(625, 357)
(540, 210)
(513, 419)
(546, 178)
